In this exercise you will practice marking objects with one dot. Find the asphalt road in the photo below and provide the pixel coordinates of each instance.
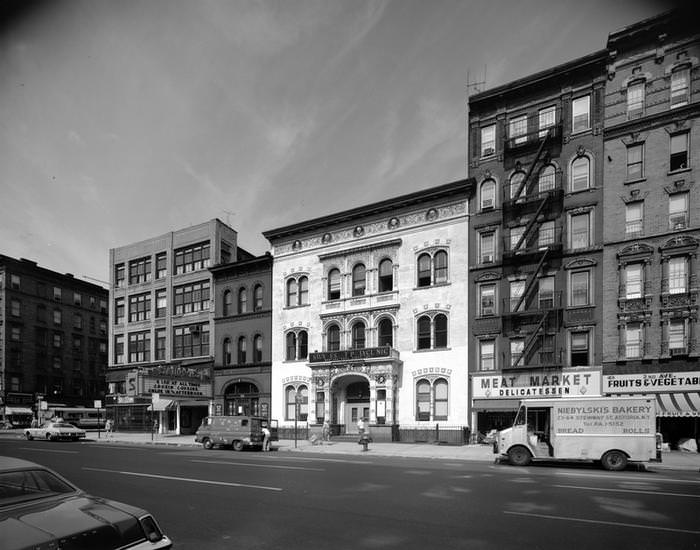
(208, 500)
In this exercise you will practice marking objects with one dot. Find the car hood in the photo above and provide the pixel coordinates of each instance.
(74, 522)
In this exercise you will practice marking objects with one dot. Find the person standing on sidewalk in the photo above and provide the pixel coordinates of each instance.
(326, 432)
(108, 427)
(266, 438)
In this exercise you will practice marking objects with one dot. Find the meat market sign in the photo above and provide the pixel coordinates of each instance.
(652, 382)
(526, 384)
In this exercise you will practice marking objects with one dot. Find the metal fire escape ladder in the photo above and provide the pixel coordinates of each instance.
(530, 285)
(531, 223)
(531, 340)
(527, 177)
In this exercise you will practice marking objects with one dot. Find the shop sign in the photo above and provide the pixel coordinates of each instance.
(176, 387)
(610, 418)
(529, 384)
(652, 382)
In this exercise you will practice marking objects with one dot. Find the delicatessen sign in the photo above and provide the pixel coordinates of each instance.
(526, 384)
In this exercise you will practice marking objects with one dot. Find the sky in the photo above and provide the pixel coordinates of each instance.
(123, 120)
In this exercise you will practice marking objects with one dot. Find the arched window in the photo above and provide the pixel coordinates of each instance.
(423, 400)
(488, 194)
(333, 284)
(385, 333)
(303, 393)
(333, 338)
(580, 174)
(303, 341)
(546, 180)
(291, 346)
(440, 399)
(258, 298)
(515, 181)
(303, 291)
(227, 351)
(440, 324)
(358, 335)
(242, 301)
(290, 399)
(386, 276)
(424, 270)
(440, 261)
(358, 280)
(424, 332)
(257, 349)
(292, 292)
(228, 303)
(241, 350)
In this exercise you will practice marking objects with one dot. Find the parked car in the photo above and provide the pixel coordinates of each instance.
(237, 431)
(40, 509)
(53, 430)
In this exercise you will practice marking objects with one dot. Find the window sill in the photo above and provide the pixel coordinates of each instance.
(678, 171)
(289, 307)
(448, 283)
(431, 349)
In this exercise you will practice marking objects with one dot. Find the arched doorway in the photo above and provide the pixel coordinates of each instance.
(351, 401)
(242, 398)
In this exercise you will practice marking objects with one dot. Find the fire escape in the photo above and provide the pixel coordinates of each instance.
(532, 314)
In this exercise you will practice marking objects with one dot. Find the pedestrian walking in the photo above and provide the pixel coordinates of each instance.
(266, 438)
(326, 432)
(108, 427)
(365, 438)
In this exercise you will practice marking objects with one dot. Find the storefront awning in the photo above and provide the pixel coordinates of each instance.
(161, 405)
(678, 404)
(18, 410)
(495, 404)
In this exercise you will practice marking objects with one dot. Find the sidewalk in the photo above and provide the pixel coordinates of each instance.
(672, 460)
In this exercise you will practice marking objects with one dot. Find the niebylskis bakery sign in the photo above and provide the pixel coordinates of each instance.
(527, 384)
(176, 381)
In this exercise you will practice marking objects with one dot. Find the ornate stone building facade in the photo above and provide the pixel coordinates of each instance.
(370, 314)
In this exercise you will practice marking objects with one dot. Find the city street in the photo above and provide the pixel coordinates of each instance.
(223, 499)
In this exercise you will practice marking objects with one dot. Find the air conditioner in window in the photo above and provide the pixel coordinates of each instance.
(678, 222)
(486, 204)
(678, 351)
(488, 152)
(487, 259)
(193, 330)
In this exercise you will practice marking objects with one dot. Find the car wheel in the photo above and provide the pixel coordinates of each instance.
(29, 436)
(208, 444)
(237, 445)
(614, 461)
(519, 456)
(49, 437)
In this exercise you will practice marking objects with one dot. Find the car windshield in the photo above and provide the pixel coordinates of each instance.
(22, 485)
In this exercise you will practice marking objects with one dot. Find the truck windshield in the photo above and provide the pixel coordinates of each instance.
(521, 416)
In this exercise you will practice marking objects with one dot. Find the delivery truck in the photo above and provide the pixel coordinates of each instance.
(609, 430)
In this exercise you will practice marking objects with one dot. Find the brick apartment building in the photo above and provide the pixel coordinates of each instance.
(652, 218)
(53, 339)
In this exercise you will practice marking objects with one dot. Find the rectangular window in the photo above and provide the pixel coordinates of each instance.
(635, 161)
(580, 288)
(680, 88)
(545, 236)
(677, 275)
(580, 114)
(545, 292)
(488, 140)
(633, 341)
(14, 282)
(57, 294)
(487, 355)
(486, 248)
(518, 130)
(161, 302)
(140, 307)
(192, 297)
(516, 291)
(635, 99)
(191, 340)
(679, 152)
(579, 349)
(118, 311)
(517, 345)
(487, 300)
(15, 308)
(140, 271)
(119, 349)
(160, 344)
(676, 337)
(16, 334)
(633, 281)
(119, 275)
(77, 321)
(546, 119)
(57, 339)
(516, 234)
(580, 231)
(634, 216)
(678, 211)
(139, 347)
(77, 299)
(192, 258)
(161, 265)
(57, 317)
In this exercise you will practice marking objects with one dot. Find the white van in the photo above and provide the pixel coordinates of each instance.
(612, 430)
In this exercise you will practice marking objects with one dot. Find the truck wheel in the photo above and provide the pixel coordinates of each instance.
(519, 456)
(614, 461)
(237, 445)
(208, 444)
(29, 436)
(49, 437)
